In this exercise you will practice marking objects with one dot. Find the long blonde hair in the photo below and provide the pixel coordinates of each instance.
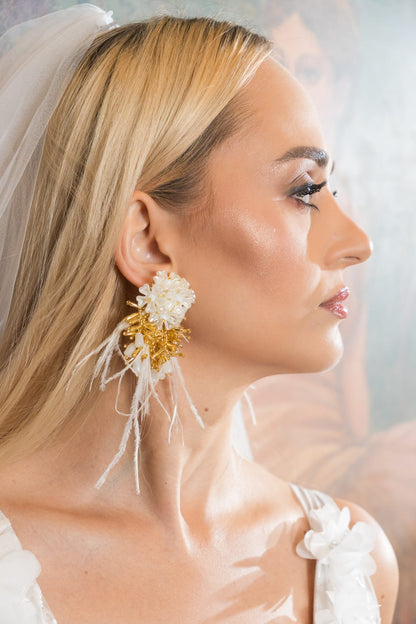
(144, 109)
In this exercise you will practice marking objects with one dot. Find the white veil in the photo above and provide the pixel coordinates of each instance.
(37, 59)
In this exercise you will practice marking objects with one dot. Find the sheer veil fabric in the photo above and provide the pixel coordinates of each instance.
(37, 59)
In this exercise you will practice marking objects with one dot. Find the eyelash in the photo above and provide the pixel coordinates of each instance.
(307, 191)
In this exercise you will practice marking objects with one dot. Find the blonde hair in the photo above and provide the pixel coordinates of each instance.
(144, 109)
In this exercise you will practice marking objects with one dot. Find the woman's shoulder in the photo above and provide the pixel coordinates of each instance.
(386, 576)
(350, 548)
(351, 551)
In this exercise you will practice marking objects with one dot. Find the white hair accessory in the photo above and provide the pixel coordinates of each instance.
(37, 60)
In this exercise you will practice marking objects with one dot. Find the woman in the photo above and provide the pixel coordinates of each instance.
(157, 166)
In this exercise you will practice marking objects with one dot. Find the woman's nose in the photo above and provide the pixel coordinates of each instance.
(347, 243)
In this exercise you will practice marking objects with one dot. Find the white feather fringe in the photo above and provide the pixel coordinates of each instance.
(145, 389)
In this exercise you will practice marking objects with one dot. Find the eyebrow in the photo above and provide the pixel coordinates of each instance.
(313, 153)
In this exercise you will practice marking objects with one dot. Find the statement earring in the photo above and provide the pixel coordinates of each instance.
(149, 342)
(154, 332)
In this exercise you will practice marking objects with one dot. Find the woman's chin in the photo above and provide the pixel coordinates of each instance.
(324, 359)
(328, 364)
(318, 358)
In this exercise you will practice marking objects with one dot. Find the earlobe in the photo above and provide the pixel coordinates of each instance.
(138, 256)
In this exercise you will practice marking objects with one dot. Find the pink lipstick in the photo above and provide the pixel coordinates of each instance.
(334, 304)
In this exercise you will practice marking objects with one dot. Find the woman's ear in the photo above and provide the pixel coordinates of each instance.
(138, 255)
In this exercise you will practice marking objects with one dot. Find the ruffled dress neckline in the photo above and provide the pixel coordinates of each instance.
(21, 599)
(343, 592)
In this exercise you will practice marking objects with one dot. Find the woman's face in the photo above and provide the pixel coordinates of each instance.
(265, 259)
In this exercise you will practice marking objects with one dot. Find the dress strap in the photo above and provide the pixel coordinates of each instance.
(344, 593)
(312, 499)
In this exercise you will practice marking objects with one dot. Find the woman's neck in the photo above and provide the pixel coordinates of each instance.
(193, 479)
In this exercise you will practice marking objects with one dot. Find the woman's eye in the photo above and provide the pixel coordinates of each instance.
(305, 197)
(304, 193)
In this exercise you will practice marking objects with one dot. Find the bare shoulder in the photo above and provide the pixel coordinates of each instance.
(386, 578)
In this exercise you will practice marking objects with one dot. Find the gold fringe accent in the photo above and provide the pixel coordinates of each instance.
(162, 343)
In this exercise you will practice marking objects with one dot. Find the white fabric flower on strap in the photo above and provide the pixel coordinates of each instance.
(343, 591)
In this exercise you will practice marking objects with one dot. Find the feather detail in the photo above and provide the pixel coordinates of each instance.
(147, 380)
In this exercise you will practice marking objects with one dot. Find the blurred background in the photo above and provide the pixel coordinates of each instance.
(352, 431)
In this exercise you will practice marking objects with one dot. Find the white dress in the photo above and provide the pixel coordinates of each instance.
(343, 591)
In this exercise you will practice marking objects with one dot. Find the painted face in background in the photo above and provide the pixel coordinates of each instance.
(276, 242)
(299, 50)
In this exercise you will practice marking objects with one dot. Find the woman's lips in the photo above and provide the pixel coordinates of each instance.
(334, 304)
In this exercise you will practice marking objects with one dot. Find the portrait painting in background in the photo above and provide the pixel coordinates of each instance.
(350, 431)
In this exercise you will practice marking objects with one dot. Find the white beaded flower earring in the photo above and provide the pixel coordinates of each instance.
(154, 331)
(148, 341)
